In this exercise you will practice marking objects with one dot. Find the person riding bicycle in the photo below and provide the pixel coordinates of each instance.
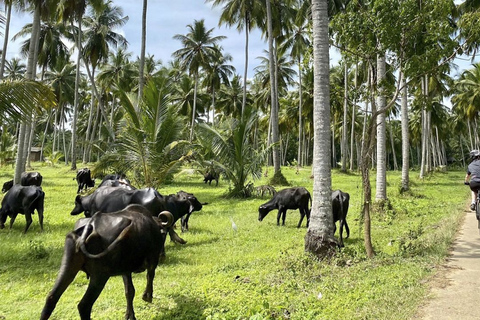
(472, 177)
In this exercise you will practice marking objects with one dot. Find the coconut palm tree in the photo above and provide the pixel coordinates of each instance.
(199, 48)
(319, 239)
(15, 69)
(218, 72)
(297, 42)
(234, 152)
(151, 137)
(244, 14)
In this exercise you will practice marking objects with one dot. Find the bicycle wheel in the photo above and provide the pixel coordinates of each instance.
(477, 211)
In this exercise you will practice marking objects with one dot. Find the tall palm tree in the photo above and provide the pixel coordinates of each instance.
(73, 11)
(319, 239)
(15, 69)
(218, 72)
(101, 36)
(298, 42)
(199, 47)
(244, 14)
(142, 50)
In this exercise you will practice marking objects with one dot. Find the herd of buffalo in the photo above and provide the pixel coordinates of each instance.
(125, 228)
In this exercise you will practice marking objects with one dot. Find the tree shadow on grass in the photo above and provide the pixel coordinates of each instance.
(185, 308)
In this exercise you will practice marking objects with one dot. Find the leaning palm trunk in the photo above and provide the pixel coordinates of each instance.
(319, 239)
(5, 40)
(194, 109)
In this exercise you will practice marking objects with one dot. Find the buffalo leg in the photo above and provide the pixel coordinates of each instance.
(279, 214)
(175, 237)
(28, 218)
(347, 228)
(12, 220)
(95, 287)
(71, 264)
(148, 293)
(284, 215)
(40, 214)
(341, 222)
(129, 295)
(302, 215)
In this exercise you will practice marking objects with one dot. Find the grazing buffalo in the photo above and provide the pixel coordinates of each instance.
(31, 179)
(116, 180)
(7, 186)
(290, 198)
(24, 200)
(340, 203)
(111, 244)
(110, 199)
(210, 176)
(84, 179)
(26, 179)
(195, 205)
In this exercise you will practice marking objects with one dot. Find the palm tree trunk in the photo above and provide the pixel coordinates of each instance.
(392, 143)
(5, 40)
(405, 136)
(343, 144)
(30, 74)
(76, 97)
(273, 86)
(381, 190)
(142, 53)
(354, 111)
(194, 109)
(300, 118)
(319, 239)
(245, 72)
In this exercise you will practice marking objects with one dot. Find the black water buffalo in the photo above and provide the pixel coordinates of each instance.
(24, 200)
(26, 179)
(210, 176)
(31, 179)
(111, 244)
(290, 198)
(195, 205)
(84, 179)
(116, 180)
(340, 203)
(7, 186)
(110, 199)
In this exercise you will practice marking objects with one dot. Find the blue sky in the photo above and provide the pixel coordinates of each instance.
(166, 19)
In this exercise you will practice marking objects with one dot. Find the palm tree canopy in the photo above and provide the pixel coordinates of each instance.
(199, 46)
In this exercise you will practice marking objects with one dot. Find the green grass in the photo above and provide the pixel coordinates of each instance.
(259, 272)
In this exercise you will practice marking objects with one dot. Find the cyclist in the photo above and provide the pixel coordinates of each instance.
(472, 177)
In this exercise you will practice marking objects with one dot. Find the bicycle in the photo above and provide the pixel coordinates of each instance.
(477, 205)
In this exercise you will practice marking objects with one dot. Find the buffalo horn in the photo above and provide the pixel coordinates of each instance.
(167, 218)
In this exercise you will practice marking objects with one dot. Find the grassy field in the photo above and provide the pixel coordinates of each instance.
(258, 272)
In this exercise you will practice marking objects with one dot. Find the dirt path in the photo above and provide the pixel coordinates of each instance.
(456, 290)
